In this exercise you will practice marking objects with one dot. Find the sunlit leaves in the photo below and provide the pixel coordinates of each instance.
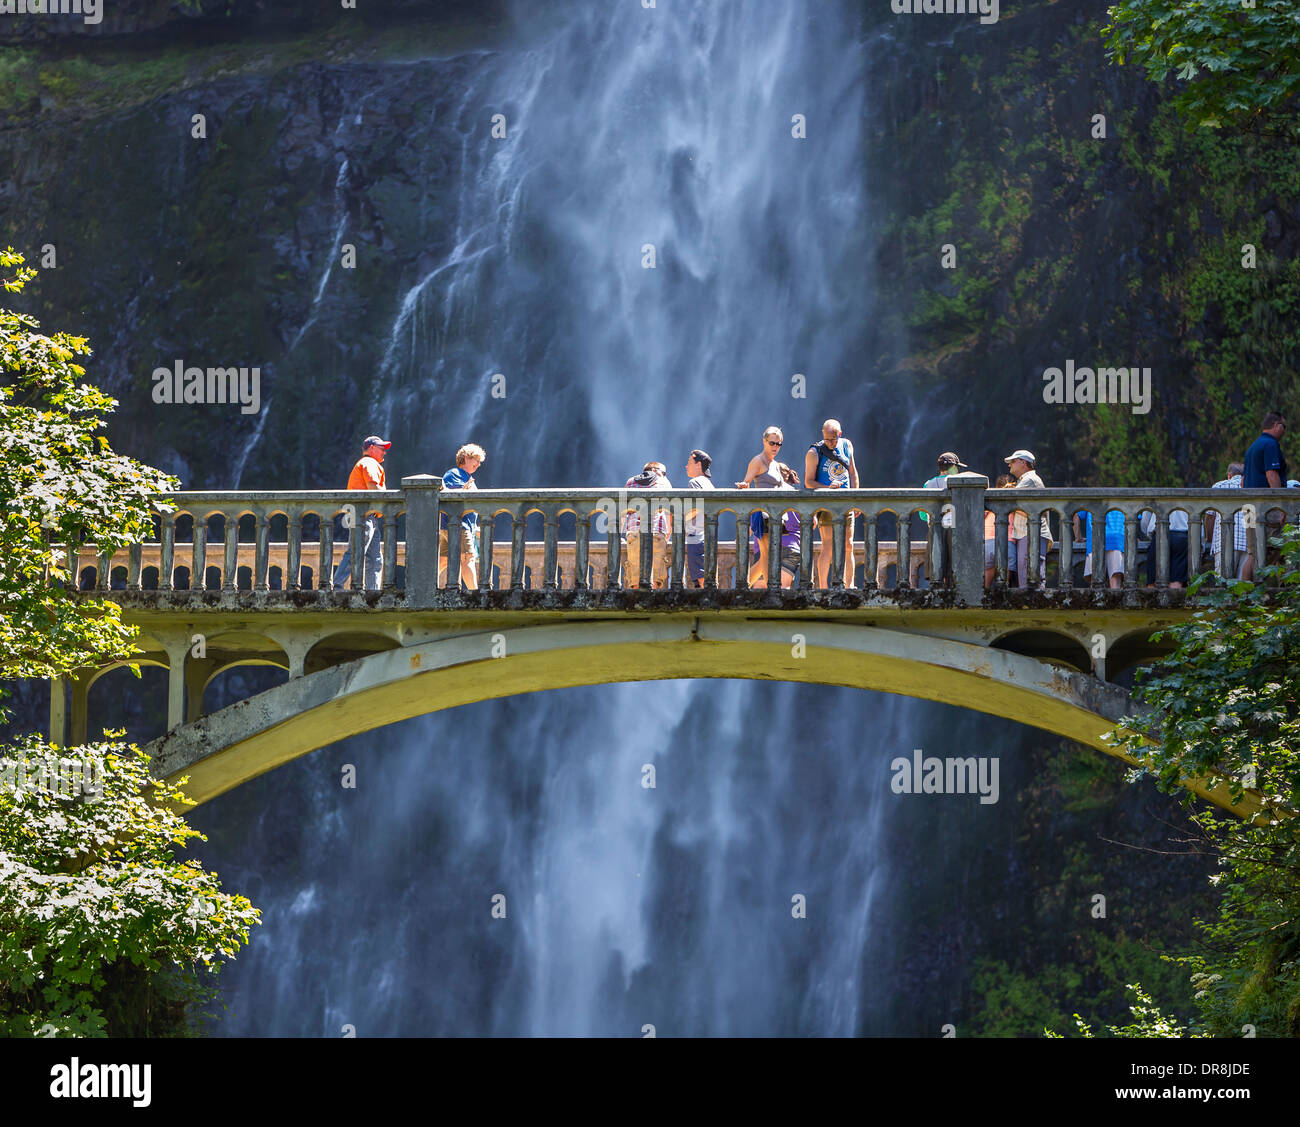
(85, 883)
(59, 483)
(1238, 64)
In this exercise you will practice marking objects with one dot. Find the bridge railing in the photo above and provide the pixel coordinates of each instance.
(566, 538)
(250, 541)
(1243, 520)
(599, 522)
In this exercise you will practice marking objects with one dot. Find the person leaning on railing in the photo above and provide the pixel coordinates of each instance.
(1214, 526)
(653, 475)
(1021, 464)
(367, 473)
(461, 476)
(941, 565)
(1177, 547)
(765, 471)
(1265, 468)
(829, 464)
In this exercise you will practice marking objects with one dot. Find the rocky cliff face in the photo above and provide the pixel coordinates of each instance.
(1122, 250)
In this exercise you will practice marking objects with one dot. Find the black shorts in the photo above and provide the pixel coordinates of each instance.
(1177, 559)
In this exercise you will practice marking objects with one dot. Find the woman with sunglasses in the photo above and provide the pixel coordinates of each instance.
(765, 472)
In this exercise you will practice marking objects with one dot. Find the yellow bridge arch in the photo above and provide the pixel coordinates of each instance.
(226, 748)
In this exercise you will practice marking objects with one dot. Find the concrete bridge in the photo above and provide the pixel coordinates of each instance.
(232, 580)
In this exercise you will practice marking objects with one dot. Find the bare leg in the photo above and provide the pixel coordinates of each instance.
(758, 569)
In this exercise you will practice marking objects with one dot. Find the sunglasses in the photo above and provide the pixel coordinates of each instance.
(772, 441)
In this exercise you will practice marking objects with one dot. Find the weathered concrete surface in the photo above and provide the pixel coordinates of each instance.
(247, 739)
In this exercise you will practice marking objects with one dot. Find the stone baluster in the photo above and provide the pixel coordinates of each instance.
(518, 525)
(230, 568)
(262, 551)
(134, 556)
(676, 579)
(871, 537)
(354, 523)
(743, 551)
(581, 548)
(199, 558)
(293, 550)
(455, 510)
(904, 541)
(325, 576)
(1161, 533)
(166, 557)
(1033, 563)
(1066, 561)
(1130, 551)
(1228, 544)
(550, 545)
(1195, 517)
(1098, 519)
(711, 550)
(775, 527)
(388, 574)
(1001, 543)
(486, 525)
(1257, 536)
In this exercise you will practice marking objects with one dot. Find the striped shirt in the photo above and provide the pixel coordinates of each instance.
(1238, 525)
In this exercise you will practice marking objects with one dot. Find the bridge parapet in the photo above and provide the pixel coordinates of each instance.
(286, 546)
(1250, 513)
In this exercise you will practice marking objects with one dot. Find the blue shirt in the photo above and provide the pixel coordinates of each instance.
(829, 471)
(1114, 531)
(1265, 453)
(457, 478)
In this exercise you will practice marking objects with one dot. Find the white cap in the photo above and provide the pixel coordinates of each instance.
(1023, 454)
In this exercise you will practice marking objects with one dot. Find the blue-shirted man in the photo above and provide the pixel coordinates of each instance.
(1265, 468)
(829, 464)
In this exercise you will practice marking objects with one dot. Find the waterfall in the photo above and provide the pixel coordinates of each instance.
(629, 132)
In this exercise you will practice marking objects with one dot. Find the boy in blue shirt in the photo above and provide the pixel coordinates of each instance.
(461, 476)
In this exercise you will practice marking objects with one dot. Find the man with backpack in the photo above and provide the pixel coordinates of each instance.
(829, 464)
(654, 475)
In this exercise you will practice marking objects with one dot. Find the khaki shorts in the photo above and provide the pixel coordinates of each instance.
(468, 545)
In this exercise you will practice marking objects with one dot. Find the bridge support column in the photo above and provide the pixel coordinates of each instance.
(177, 652)
(422, 539)
(197, 672)
(59, 711)
(967, 492)
(80, 692)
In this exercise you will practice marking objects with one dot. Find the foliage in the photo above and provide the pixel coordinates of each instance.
(1239, 63)
(103, 929)
(58, 481)
(1148, 1021)
(89, 884)
(1226, 705)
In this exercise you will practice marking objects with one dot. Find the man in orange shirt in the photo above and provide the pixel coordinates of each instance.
(368, 473)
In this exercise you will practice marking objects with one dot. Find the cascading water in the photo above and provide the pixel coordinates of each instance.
(627, 129)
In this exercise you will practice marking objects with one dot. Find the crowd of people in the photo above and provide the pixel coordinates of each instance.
(830, 464)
